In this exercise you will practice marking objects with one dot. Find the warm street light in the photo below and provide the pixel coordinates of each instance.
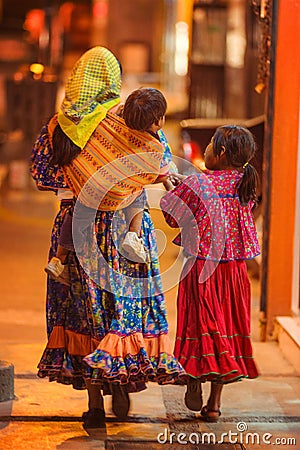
(37, 69)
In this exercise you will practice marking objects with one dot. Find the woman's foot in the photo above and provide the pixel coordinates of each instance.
(94, 418)
(120, 401)
(210, 415)
(193, 395)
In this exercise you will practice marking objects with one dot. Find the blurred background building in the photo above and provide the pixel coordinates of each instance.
(217, 61)
(203, 54)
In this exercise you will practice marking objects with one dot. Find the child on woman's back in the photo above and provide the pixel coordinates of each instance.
(144, 110)
(214, 210)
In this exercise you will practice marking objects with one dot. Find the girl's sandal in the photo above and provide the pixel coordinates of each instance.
(193, 395)
(210, 415)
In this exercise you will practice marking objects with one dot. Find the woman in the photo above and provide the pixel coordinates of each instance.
(101, 335)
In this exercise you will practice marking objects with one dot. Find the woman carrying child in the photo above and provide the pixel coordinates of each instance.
(214, 211)
(108, 341)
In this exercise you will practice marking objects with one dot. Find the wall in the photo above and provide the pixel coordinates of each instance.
(143, 23)
(284, 162)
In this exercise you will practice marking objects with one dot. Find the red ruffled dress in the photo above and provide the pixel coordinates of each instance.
(218, 234)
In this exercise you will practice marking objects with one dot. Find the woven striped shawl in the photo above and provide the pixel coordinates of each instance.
(115, 164)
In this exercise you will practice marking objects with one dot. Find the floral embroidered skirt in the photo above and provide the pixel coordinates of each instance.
(213, 323)
(110, 324)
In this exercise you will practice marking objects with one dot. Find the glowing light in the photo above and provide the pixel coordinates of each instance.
(187, 148)
(198, 162)
(181, 48)
(100, 9)
(34, 23)
(37, 68)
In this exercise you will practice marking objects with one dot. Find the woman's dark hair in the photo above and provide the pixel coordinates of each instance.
(64, 150)
(120, 65)
(240, 147)
(144, 107)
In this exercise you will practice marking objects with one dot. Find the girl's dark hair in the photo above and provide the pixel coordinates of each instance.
(144, 107)
(240, 147)
(64, 150)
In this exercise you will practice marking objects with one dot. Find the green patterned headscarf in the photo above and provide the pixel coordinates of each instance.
(92, 89)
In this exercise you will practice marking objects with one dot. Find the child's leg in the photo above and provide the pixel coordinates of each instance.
(57, 265)
(133, 244)
(62, 253)
(134, 213)
(136, 220)
(65, 244)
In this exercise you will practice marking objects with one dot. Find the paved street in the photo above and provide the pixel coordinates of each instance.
(49, 415)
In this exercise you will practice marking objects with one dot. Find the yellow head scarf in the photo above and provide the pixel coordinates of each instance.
(92, 89)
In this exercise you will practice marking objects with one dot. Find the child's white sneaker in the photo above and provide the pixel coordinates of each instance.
(58, 271)
(134, 247)
(54, 267)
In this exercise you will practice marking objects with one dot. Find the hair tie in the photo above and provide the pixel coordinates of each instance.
(245, 165)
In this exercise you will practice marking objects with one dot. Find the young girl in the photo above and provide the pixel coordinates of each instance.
(214, 211)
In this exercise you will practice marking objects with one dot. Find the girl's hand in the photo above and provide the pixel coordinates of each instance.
(172, 180)
(176, 178)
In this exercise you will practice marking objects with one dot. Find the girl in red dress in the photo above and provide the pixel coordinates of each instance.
(214, 211)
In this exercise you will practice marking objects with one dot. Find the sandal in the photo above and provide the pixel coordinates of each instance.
(210, 415)
(120, 401)
(93, 418)
(193, 395)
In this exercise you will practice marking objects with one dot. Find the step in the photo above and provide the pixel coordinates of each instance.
(288, 336)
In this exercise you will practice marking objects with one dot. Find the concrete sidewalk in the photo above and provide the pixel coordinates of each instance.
(47, 415)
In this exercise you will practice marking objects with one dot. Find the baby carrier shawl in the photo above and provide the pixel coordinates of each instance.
(111, 170)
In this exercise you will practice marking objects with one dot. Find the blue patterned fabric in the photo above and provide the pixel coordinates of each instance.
(128, 314)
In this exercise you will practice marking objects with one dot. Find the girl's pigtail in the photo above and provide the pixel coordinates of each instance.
(64, 150)
(247, 188)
